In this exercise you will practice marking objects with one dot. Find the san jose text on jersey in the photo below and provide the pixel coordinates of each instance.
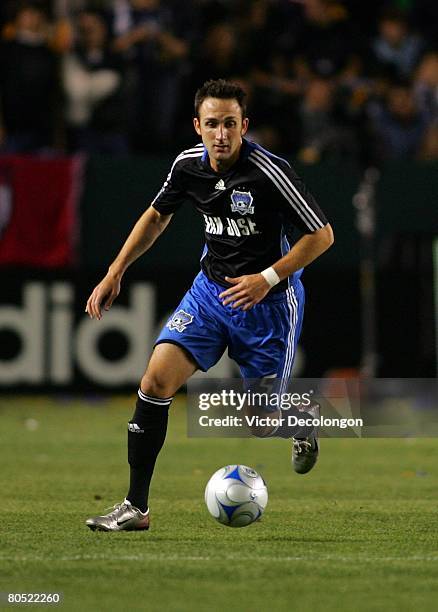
(249, 211)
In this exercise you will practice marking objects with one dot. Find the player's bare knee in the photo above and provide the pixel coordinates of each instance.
(155, 384)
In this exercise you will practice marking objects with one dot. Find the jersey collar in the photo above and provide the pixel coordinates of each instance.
(245, 150)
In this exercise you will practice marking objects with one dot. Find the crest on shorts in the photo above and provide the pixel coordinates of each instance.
(180, 320)
(241, 202)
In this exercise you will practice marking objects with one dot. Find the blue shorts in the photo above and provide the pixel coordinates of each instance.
(262, 340)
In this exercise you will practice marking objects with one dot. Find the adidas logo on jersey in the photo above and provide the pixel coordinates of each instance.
(220, 185)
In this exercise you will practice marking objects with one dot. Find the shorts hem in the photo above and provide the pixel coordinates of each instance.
(185, 349)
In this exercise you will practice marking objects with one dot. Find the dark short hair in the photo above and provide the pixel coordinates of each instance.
(220, 88)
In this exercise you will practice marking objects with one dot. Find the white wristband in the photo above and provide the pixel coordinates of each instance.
(271, 276)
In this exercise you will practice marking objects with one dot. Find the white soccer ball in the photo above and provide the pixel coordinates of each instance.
(236, 495)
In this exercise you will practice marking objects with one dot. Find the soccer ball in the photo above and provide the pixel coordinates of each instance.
(236, 495)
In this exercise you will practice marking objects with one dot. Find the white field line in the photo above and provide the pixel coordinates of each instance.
(199, 558)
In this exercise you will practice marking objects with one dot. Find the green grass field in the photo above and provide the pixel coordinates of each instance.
(358, 533)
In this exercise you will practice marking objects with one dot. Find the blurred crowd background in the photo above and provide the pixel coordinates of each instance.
(326, 79)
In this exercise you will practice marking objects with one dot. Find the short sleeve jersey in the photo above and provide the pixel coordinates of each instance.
(249, 211)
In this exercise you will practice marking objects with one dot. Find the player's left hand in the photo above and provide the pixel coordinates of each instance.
(246, 292)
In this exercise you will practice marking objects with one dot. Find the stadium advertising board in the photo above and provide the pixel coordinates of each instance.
(45, 339)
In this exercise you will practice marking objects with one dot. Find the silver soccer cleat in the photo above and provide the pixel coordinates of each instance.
(123, 517)
(305, 451)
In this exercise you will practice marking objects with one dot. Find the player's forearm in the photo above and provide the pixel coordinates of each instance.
(306, 250)
(145, 232)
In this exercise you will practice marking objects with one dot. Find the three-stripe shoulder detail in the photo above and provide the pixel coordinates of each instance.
(196, 151)
(187, 154)
(287, 189)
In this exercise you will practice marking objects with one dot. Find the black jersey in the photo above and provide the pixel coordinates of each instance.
(249, 211)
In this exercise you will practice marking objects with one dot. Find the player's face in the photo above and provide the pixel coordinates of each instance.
(221, 127)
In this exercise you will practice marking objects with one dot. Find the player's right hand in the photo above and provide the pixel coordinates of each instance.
(106, 291)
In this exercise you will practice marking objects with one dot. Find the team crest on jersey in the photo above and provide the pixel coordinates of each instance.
(241, 202)
(180, 320)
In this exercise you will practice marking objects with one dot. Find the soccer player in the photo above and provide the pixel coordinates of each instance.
(248, 295)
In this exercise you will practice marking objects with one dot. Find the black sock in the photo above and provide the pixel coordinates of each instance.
(290, 429)
(146, 435)
(295, 431)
